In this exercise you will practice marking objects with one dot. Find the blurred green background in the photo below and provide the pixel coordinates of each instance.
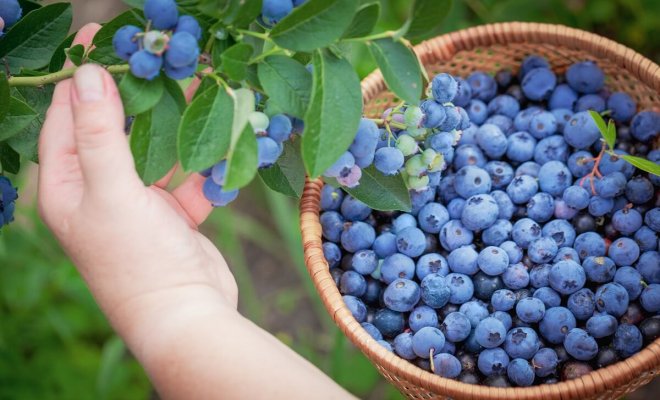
(55, 343)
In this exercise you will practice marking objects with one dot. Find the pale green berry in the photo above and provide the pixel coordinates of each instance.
(438, 164)
(417, 133)
(415, 166)
(429, 155)
(407, 145)
(413, 117)
(418, 183)
(155, 42)
(259, 121)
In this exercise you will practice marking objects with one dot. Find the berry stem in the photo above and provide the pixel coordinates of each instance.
(384, 123)
(259, 35)
(382, 35)
(59, 76)
(594, 172)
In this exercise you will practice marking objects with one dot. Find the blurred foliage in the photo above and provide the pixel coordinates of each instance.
(56, 344)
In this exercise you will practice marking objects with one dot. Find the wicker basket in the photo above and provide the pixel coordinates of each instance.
(490, 48)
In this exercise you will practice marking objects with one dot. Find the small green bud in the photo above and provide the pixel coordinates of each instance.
(415, 166)
(418, 183)
(155, 42)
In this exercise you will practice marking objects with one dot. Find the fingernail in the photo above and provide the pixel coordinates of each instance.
(89, 83)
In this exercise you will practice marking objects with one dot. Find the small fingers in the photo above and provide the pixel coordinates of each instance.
(190, 197)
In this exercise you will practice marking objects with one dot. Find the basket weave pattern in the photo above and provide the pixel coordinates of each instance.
(490, 48)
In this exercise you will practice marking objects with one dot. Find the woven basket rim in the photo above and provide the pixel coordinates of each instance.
(599, 380)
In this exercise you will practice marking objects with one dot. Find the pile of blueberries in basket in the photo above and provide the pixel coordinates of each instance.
(532, 260)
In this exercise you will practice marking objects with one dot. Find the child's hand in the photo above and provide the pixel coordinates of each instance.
(165, 288)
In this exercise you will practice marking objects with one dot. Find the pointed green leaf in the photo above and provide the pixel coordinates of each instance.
(287, 83)
(205, 129)
(334, 112)
(59, 56)
(364, 20)
(33, 40)
(19, 117)
(400, 68)
(243, 107)
(4, 96)
(154, 132)
(610, 138)
(287, 176)
(242, 161)
(643, 164)
(9, 159)
(235, 60)
(76, 54)
(39, 98)
(140, 95)
(380, 192)
(315, 24)
(600, 122)
(426, 19)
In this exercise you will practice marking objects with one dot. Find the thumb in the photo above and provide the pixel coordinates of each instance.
(103, 151)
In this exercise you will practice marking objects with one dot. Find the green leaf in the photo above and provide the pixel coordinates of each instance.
(315, 24)
(400, 68)
(219, 47)
(287, 83)
(364, 20)
(76, 54)
(9, 159)
(19, 116)
(235, 60)
(242, 160)
(140, 95)
(104, 53)
(426, 19)
(33, 40)
(205, 129)
(59, 56)
(241, 13)
(287, 176)
(242, 157)
(380, 192)
(334, 112)
(4, 96)
(608, 132)
(39, 98)
(643, 164)
(154, 133)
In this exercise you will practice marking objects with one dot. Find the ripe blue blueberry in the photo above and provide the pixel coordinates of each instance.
(403, 346)
(497, 233)
(475, 311)
(435, 291)
(548, 296)
(145, 65)
(430, 263)
(525, 231)
(650, 298)
(356, 307)
(389, 323)
(589, 244)
(522, 343)
(541, 207)
(611, 185)
(444, 88)
(401, 295)
(411, 242)
(456, 327)
(551, 148)
(352, 284)
(627, 340)
(556, 323)
(639, 190)
(454, 235)
(480, 212)
(366, 138)
(561, 231)
(268, 151)
(357, 236)
(520, 146)
(397, 266)
(599, 206)
(372, 331)
(562, 115)
(516, 276)
(503, 300)
(563, 97)
(520, 372)
(163, 14)
(189, 24)
(576, 197)
(601, 325)
(273, 11)
(580, 345)
(428, 341)
(581, 131)
(432, 217)
(280, 128)
(501, 121)
(539, 276)
(542, 124)
(125, 41)
(421, 317)
(182, 50)
(364, 262)
(455, 208)
(331, 198)
(461, 288)
(490, 332)
(493, 361)
(446, 365)
(624, 251)
(590, 102)
(522, 188)
(631, 280)
(612, 298)
(332, 224)
(468, 154)
(554, 177)
(332, 254)
(567, 277)
(545, 362)
(463, 260)
(492, 140)
(477, 111)
(645, 125)
(483, 86)
(343, 164)
(582, 303)
(385, 245)
(530, 310)
(504, 105)
(215, 193)
(504, 204)
(627, 221)
(599, 269)
(539, 83)
(493, 260)
(353, 209)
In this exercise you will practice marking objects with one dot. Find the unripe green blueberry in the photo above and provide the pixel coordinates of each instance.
(413, 117)
(415, 166)
(407, 145)
(418, 182)
(417, 133)
(155, 42)
(438, 164)
(259, 122)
